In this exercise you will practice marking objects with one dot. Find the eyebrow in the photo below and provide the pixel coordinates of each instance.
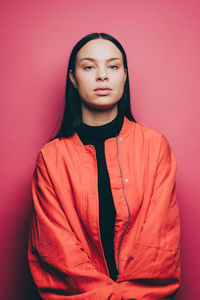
(93, 59)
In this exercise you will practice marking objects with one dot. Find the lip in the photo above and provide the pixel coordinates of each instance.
(103, 92)
(102, 88)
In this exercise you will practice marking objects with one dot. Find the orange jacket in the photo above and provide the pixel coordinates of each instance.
(65, 251)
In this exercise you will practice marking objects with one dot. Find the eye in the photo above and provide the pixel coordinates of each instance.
(113, 67)
(86, 68)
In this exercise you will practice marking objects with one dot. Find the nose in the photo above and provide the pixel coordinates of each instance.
(101, 75)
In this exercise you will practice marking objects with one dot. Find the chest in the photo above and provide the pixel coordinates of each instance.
(131, 167)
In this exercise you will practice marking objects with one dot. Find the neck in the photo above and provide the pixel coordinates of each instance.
(92, 134)
(98, 117)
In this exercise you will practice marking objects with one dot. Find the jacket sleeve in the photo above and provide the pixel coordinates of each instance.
(59, 266)
(154, 272)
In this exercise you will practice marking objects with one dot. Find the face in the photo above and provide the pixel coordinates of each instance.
(99, 64)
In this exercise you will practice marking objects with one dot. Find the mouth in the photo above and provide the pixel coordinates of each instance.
(102, 88)
(102, 92)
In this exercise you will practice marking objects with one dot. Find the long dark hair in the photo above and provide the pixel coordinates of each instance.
(72, 111)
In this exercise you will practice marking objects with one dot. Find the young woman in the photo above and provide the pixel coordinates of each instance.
(105, 216)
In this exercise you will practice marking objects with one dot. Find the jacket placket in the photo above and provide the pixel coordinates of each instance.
(117, 180)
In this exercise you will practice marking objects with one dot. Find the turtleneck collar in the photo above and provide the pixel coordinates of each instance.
(88, 133)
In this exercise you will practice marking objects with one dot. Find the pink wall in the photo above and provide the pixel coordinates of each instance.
(162, 42)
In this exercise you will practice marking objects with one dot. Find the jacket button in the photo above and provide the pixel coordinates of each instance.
(126, 180)
(121, 139)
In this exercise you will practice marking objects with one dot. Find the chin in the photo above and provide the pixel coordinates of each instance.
(104, 106)
(102, 103)
(105, 103)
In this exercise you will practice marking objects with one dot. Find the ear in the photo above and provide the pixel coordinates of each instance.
(72, 78)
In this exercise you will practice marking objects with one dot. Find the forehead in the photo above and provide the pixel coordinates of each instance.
(99, 49)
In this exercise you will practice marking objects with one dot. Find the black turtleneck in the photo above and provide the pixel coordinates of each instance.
(96, 135)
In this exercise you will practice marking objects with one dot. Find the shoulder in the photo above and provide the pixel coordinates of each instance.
(149, 133)
(152, 137)
(147, 130)
(155, 143)
(51, 146)
(159, 139)
(52, 150)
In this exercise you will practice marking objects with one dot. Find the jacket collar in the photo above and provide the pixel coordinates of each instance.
(127, 125)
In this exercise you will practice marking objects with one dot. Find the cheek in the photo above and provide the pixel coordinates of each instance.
(85, 83)
(85, 89)
(118, 77)
(119, 83)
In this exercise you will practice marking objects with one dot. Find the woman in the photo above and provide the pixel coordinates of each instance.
(105, 215)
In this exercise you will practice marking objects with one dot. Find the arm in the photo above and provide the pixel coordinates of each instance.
(59, 266)
(155, 269)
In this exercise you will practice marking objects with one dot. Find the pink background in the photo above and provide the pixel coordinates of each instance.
(162, 42)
